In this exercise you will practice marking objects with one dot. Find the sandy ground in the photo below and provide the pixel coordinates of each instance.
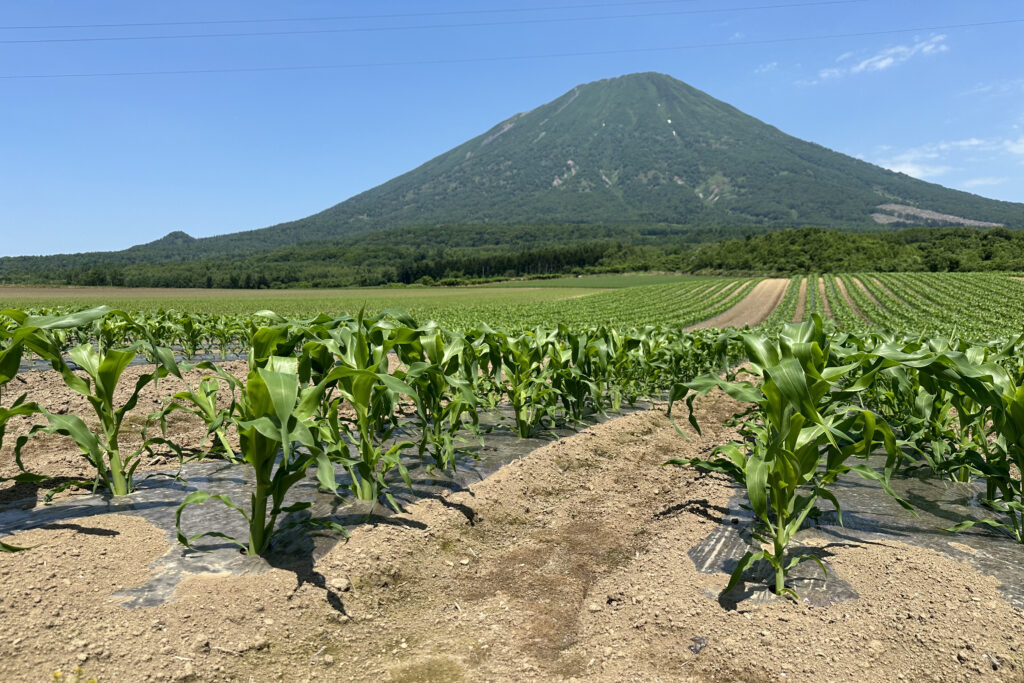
(753, 309)
(567, 565)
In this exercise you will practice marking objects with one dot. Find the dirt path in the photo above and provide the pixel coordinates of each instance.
(824, 298)
(801, 302)
(752, 309)
(867, 293)
(570, 563)
(849, 301)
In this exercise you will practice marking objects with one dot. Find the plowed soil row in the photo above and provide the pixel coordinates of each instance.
(867, 293)
(888, 291)
(824, 297)
(801, 302)
(753, 309)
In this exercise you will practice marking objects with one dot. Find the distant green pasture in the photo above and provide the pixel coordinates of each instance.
(287, 302)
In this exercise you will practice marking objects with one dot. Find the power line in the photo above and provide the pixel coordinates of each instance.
(473, 60)
(378, 29)
(355, 17)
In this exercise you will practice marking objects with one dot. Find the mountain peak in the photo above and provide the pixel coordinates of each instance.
(641, 150)
(175, 238)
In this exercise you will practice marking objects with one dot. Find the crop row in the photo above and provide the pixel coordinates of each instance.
(824, 400)
(973, 305)
(329, 393)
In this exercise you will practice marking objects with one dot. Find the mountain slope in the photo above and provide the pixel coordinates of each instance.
(639, 149)
(636, 151)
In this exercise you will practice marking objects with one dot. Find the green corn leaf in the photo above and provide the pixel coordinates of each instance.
(745, 562)
(756, 473)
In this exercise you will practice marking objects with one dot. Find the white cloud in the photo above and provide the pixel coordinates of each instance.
(882, 60)
(963, 157)
(983, 182)
(1015, 146)
(765, 68)
(1004, 87)
(916, 170)
(969, 143)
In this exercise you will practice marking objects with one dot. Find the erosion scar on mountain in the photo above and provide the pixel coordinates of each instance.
(753, 309)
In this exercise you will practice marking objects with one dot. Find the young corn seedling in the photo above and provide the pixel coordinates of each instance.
(201, 401)
(444, 401)
(802, 433)
(999, 395)
(274, 422)
(114, 469)
(528, 380)
(33, 333)
(361, 380)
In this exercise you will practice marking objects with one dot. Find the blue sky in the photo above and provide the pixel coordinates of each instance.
(293, 107)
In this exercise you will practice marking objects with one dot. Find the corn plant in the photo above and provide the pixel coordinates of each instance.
(103, 370)
(997, 451)
(274, 422)
(445, 402)
(201, 401)
(481, 365)
(528, 379)
(34, 334)
(802, 431)
(361, 381)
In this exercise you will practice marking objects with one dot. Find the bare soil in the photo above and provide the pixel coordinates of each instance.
(567, 565)
(824, 297)
(849, 302)
(753, 309)
(801, 302)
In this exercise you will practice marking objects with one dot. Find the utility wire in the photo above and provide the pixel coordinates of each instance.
(358, 17)
(349, 17)
(378, 29)
(556, 55)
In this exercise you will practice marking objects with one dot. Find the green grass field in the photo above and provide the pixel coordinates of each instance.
(287, 302)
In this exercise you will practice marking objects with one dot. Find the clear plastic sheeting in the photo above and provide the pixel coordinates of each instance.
(158, 495)
(722, 549)
(870, 515)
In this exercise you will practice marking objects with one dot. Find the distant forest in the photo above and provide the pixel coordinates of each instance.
(462, 254)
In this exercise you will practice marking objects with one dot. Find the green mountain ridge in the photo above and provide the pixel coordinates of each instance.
(628, 153)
